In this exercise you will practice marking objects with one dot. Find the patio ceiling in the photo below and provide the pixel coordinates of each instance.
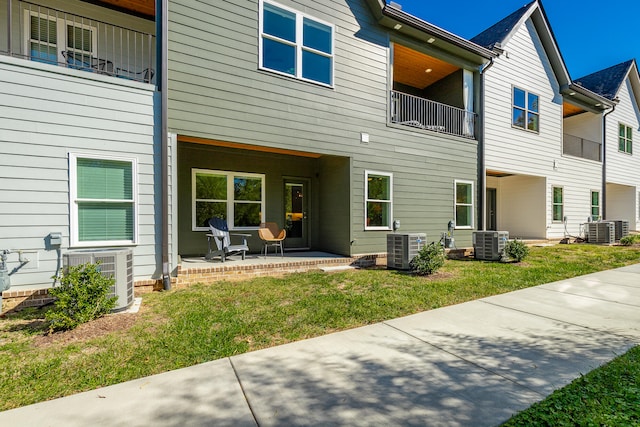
(411, 67)
(141, 7)
(570, 110)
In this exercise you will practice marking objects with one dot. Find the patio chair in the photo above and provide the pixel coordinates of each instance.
(222, 238)
(272, 235)
(145, 75)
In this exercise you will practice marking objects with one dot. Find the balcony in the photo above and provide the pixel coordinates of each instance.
(421, 113)
(431, 94)
(58, 37)
(579, 147)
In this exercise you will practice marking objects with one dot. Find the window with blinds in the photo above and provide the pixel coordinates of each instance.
(104, 202)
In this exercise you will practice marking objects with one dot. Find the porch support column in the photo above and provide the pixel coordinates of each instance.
(9, 28)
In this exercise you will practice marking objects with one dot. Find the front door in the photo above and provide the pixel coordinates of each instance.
(491, 209)
(296, 221)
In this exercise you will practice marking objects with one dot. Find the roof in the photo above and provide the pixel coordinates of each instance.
(498, 32)
(606, 82)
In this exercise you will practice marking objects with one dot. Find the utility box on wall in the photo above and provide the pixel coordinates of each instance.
(402, 248)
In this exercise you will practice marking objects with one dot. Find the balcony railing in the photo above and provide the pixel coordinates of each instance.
(421, 113)
(53, 36)
(580, 147)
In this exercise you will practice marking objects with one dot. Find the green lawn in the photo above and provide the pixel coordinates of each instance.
(206, 322)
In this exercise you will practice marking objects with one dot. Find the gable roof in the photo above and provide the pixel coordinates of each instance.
(498, 32)
(607, 82)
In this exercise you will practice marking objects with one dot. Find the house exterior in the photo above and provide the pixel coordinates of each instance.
(331, 118)
(79, 137)
(540, 183)
(620, 84)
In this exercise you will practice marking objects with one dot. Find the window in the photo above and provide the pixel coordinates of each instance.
(296, 45)
(595, 205)
(236, 197)
(49, 36)
(558, 206)
(625, 137)
(526, 114)
(103, 199)
(378, 200)
(464, 204)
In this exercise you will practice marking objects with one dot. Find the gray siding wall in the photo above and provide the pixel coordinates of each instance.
(217, 92)
(47, 112)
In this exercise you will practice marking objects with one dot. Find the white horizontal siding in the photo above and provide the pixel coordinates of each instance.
(46, 113)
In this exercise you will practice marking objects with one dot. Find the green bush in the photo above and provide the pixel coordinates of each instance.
(82, 296)
(429, 259)
(630, 240)
(516, 250)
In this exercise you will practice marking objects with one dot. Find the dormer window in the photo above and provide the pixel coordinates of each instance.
(525, 110)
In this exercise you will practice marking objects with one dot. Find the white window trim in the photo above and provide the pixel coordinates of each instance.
(561, 220)
(230, 200)
(298, 44)
(61, 31)
(591, 205)
(526, 109)
(73, 195)
(456, 204)
(366, 199)
(627, 140)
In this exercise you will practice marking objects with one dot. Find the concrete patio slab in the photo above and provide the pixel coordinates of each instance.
(193, 396)
(535, 352)
(374, 375)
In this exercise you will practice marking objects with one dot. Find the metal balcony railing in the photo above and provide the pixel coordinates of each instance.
(54, 36)
(580, 147)
(421, 113)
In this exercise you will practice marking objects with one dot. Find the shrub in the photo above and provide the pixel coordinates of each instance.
(82, 296)
(516, 250)
(429, 259)
(630, 240)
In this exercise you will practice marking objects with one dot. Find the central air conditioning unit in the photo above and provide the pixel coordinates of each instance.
(115, 263)
(601, 232)
(402, 248)
(489, 245)
(621, 228)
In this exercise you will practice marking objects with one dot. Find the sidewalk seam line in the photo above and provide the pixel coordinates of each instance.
(587, 296)
(246, 398)
(467, 361)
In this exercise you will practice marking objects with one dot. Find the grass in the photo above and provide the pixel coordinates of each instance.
(608, 396)
(206, 322)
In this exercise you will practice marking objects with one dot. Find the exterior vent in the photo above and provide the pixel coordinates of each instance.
(622, 228)
(402, 248)
(601, 232)
(116, 263)
(489, 245)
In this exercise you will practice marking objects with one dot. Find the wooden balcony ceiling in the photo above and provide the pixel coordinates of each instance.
(142, 7)
(410, 67)
(570, 110)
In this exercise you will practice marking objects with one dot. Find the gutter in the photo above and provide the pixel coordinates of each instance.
(604, 160)
(396, 14)
(162, 25)
(482, 168)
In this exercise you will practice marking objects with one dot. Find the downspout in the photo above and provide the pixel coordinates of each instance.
(482, 169)
(604, 160)
(162, 38)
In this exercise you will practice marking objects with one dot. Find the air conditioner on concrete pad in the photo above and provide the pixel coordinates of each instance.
(402, 248)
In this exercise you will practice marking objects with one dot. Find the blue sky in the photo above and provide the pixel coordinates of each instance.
(592, 35)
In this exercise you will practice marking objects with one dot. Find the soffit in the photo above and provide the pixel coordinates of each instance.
(142, 7)
(409, 67)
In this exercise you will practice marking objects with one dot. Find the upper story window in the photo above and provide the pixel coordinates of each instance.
(296, 45)
(103, 200)
(53, 39)
(625, 138)
(525, 110)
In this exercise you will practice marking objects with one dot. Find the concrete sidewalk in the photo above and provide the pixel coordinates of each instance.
(473, 364)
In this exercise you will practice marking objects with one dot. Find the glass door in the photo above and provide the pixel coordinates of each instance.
(296, 201)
